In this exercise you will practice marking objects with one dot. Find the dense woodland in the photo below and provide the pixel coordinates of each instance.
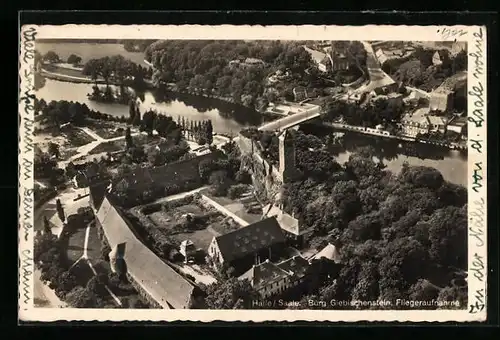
(401, 236)
(205, 65)
(418, 70)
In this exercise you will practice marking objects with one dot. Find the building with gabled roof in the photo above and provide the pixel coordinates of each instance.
(330, 252)
(292, 228)
(247, 245)
(270, 279)
(154, 278)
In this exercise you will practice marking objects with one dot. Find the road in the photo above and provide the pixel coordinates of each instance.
(378, 78)
(85, 149)
(289, 121)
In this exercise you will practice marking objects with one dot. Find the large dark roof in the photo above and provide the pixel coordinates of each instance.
(250, 239)
(296, 266)
(142, 177)
(264, 274)
(267, 272)
(157, 278)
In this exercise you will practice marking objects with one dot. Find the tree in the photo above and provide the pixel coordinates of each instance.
(128, 139)
(92, 68)
(54, 150)
(47, 229)
(449, 295)
(137, 117)
(81, 297)
(73, 59)
(423, 290)
(131, 111)
(230, 294)
(209, 132)
(448, 236)
(148, 120)
(66, 282)
(51, 57)
(60, 210)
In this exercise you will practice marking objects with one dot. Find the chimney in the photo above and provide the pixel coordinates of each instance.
(269, 253)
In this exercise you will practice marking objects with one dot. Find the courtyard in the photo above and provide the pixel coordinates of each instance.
(189, 219)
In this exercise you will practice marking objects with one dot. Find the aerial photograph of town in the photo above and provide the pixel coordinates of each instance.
(250, 174)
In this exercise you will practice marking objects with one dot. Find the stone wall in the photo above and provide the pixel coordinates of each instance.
(265, 176)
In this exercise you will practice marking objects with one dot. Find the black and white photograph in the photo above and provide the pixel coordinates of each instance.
(250, 174)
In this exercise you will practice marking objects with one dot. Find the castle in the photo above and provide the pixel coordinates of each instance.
(287, 169)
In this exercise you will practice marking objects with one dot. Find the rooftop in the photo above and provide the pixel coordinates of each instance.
(156, 277)
(317, 56)
(417, 116)
(286, 221)
(264, 274)
(267, 273)
(436, 120)
(250, 239)
(330, 252)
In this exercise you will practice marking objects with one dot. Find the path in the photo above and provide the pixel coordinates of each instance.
(225, 211)
(84, 150)
(378, 78)
(89, 263)
(179, 196)
(44, 296)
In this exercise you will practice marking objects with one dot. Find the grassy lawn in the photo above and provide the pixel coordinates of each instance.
(67, 153)
(94, 244)
(201, 238)
(119, 145)
(107, 130)
(237, 206)
(64, 71)
(82, 272)
(76, 137)
(224, 227)
(105, 147)
(76, 242)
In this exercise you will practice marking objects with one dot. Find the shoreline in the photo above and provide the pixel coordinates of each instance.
(196, 93)
(385, 134)
(149, 86)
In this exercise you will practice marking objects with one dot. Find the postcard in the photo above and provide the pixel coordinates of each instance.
(252, 173)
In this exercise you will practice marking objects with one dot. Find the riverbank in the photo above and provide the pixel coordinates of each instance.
(386, 134)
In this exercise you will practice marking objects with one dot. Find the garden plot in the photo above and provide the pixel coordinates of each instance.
(190, 221)
(69, 137)
(119, 145)
(108, 130)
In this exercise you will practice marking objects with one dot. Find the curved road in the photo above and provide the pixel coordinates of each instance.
(378, 77)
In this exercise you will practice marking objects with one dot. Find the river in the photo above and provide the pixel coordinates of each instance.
(230, 118)
(89, 51)
(226, 118)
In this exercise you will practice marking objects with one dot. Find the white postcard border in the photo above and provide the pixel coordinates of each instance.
(477, 166)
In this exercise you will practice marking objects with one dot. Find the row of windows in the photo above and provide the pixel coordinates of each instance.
(269, 291)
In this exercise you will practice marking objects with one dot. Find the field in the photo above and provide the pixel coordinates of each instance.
(208, 223)
(64, 71)
(69, 137)
(107, 130)
(76, 137)
(119, 145)
(240, 206)
(76, 242)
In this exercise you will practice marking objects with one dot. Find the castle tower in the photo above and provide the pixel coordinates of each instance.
(287, 167)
